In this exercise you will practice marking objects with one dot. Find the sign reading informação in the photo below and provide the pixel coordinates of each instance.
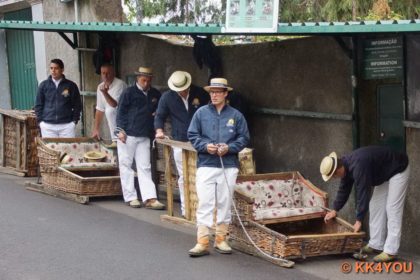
(248, 16)
(383, 58)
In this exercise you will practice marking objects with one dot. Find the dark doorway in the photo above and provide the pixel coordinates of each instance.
(391, 131)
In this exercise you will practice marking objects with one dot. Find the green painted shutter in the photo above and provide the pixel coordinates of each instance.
(21, 62)
(391, 116)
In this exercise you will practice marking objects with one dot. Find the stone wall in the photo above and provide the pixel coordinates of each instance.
(307, 74)
(411, 222)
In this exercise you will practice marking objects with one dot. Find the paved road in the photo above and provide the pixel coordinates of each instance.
(44, 238)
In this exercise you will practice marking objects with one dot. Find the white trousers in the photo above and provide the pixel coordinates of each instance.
(62, 130)
(111, 117)
(137, 148)
(213, 191)
(386, 212)
(178, 162)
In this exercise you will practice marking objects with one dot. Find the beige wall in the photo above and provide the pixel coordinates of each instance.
(82, 74)
(93, 10)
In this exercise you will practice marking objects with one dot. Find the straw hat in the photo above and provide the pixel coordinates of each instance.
(94, 156)
(328, 166)
(145, 71)
(218, 83)
(179, 81)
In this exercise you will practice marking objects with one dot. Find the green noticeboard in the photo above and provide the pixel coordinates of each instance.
(248, 16)
(383, 58)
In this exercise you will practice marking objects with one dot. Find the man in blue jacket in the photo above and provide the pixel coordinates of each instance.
(58, 103)
(136, 110)
(179, 103)
(218, 132)
(387, 172)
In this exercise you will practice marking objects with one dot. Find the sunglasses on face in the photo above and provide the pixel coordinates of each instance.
(217, 92)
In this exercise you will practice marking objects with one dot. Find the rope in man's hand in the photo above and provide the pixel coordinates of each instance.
(154, 141)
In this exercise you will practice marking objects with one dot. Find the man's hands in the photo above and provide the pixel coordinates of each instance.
(122, 136)
(222, 150)
(104, 88)
(159, 134)
(219, 149)
(109, 99)
(95, 134)
(212, 149)
(357, 226)
(330, 215)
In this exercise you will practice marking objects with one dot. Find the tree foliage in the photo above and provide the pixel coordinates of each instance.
(213, 11)
(346, 10)
(177, 11)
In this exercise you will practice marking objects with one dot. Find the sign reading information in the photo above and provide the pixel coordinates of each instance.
(383, 58)
(248, 16)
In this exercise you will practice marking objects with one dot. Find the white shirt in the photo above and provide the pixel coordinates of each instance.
(57, 82)
(141, 89)
(115, 90)
(185, 100)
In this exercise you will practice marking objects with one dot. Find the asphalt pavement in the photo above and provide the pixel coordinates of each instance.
(43, 237)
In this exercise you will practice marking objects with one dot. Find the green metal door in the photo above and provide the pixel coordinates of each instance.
(391, 115)
(21, 61)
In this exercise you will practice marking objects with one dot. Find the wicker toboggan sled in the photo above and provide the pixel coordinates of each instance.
(283, 214)
(76, 175)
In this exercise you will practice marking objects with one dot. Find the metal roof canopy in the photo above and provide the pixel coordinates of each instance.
(288, 29)
(335, 29)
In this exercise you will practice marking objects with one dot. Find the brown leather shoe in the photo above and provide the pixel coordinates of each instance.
(155, 205)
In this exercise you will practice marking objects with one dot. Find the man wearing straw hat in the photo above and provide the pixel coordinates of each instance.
(385, 170)
(107, 96)
(180, 103)
(136, 111)
(218, 132)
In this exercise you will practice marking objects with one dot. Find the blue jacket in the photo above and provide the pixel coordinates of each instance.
(208, 126)
(58, 105)
(136, 111)
(367, 167)
(172, 105)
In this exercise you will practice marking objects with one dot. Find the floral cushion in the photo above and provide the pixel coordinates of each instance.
(88, 164)
(311, 199)
(281, 198)
(280, 212)
(77, 150)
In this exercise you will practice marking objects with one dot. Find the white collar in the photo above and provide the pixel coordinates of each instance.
(57, 82)
(142, 90)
